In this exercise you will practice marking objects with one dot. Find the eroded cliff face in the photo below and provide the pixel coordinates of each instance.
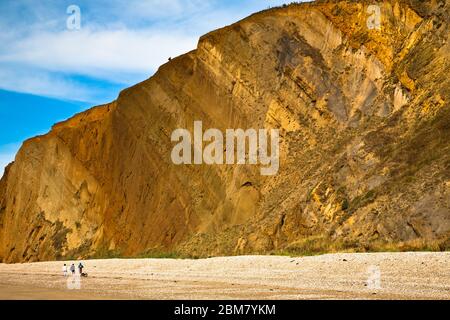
(364, 120)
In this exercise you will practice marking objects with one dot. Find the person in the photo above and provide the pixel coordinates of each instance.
(72, 269)
(64, 270)
(80, 268)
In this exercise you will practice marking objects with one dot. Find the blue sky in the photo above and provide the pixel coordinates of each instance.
(48, 72)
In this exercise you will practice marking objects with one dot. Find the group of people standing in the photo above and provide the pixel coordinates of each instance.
(72, 269)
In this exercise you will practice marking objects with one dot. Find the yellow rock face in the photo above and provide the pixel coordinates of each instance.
(364, 123)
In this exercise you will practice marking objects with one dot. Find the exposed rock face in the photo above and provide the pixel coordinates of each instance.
(364, 118)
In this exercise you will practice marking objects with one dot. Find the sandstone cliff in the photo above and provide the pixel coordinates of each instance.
(364, 118)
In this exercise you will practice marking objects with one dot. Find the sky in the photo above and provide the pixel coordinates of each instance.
(58, 57)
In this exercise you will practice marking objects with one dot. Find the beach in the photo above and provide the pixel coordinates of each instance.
(411, 275)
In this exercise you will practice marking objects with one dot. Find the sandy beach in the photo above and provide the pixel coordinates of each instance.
(415, 275)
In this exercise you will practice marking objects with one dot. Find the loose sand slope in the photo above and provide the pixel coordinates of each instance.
(403, 276)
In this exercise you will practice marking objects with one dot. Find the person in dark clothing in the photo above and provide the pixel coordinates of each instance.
(80, 268)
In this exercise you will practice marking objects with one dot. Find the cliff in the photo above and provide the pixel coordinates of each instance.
(364, 124)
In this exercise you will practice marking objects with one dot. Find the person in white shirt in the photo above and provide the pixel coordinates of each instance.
(64, 270)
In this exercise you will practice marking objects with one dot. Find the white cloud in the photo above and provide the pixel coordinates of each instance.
(119, 41)
(158, 9)
(42, 83)
(99, 53)
(43, 63)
